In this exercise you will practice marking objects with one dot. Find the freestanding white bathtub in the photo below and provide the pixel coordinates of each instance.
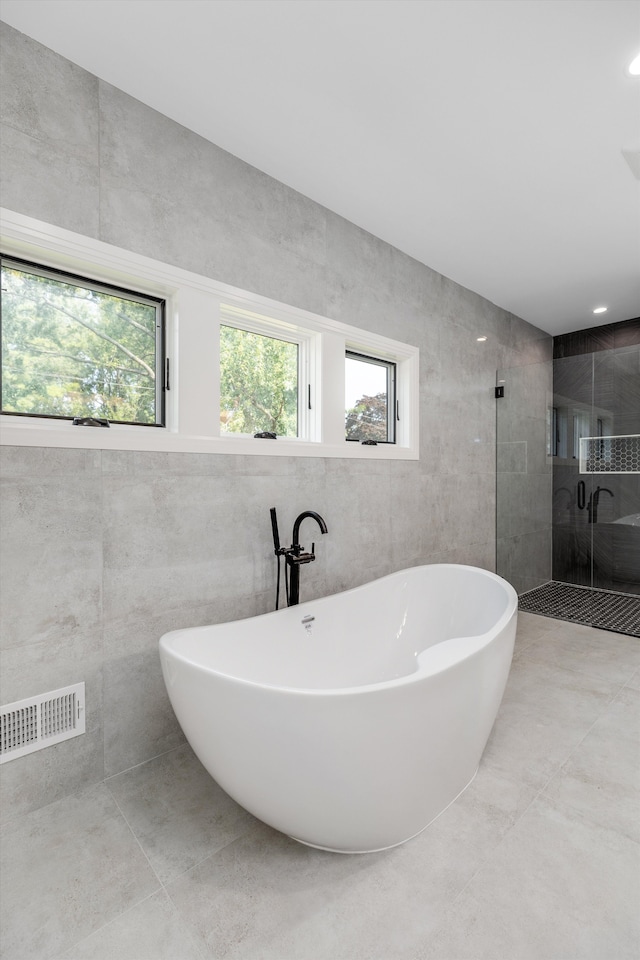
(349, 723)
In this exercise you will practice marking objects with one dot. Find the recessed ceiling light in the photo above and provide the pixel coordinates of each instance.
(601, 309)
(633, 69)
(481, 339)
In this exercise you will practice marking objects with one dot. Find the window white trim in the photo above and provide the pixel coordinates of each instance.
(195, 307)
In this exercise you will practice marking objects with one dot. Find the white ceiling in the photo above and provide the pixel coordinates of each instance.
(482, 137)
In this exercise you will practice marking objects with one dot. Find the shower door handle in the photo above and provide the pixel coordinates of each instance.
(582, 496)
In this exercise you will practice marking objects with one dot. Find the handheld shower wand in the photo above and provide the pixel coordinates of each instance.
(277, 549)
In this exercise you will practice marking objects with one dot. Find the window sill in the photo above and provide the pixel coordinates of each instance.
(20, 432)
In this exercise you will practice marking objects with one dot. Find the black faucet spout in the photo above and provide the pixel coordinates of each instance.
(295, 556)
(594, 500)
(313, 516)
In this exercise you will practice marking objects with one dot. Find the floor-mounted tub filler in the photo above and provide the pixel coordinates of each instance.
(350, 723)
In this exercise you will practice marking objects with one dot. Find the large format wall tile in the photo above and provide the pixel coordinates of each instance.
(49, 142)
(138, 720)
(53, 591)
(103, 553)
(49, 462)
(51, 608)
(525, 559)
(51, 558)
(52, 185)
(38, 779)
(242, 227)
(48, 97)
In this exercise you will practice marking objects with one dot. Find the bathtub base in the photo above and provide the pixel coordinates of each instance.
(391, 846)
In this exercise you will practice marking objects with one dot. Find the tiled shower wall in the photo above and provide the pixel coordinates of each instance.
(103, 552)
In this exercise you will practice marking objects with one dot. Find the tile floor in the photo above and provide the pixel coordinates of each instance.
(538, 860)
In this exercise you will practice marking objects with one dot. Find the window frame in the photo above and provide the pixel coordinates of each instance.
(307, 344)
(392, 403)
(88, 283)
(194, 308)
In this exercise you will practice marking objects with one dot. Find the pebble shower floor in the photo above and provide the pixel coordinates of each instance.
(606, 610)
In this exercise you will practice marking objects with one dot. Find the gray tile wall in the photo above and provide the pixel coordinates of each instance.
(103, 552)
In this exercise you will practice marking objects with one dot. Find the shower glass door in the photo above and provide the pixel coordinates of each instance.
(596, 474)
(523, 474)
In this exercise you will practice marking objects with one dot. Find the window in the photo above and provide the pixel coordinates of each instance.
(258, 383)
(265, 363)
(75, 348)
(264, 374)
(371, 407)
(241, 364)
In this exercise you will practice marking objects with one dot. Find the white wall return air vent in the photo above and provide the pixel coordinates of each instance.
(38, 722)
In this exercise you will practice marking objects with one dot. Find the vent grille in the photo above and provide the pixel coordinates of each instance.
(610, 454)
(38, 722)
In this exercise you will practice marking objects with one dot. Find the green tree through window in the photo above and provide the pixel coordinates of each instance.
(370, 398)
(73, 350)
(258, 383)
(368, 419)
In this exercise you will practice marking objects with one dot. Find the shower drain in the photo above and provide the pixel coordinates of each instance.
(606, 610)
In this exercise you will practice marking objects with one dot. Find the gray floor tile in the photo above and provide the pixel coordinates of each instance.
(634, 680)
(68, 868)
(596, 653)
(535, 861)
(152, 930)
(261, 888)
(557, 888)
(530, 627)
(268, 897)
(546, 711)
(601, 778)
(178, 813)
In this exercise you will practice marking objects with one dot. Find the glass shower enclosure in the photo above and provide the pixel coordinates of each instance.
(568, 479)
(524, 403)
(596, 469)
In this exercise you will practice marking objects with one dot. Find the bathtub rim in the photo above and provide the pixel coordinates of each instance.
(474, 642)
